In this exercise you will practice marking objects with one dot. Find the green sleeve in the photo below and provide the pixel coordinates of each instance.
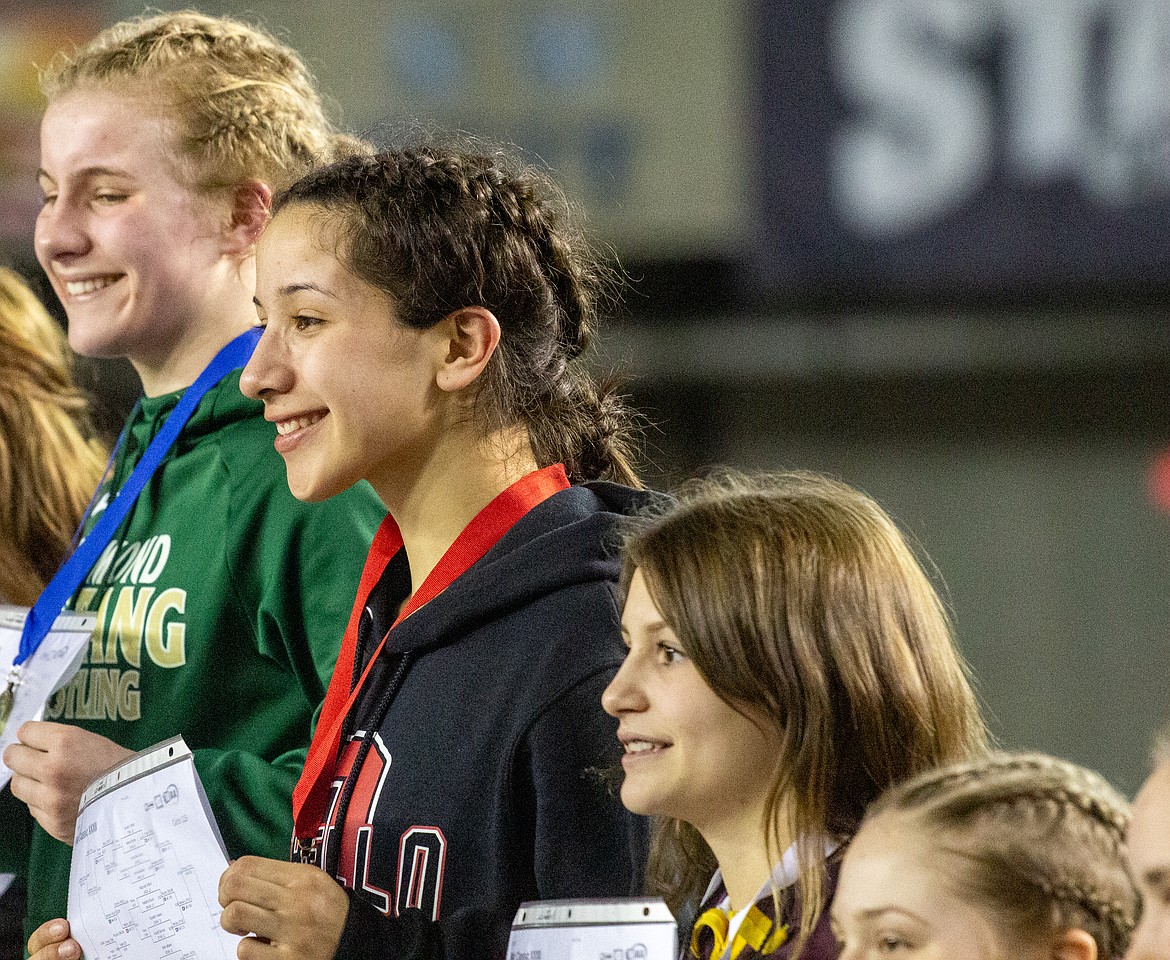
(296, 568)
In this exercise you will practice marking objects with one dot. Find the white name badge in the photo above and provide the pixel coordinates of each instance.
(617, 929)
(50, 667)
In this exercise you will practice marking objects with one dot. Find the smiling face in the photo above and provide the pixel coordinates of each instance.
(133, 253)
(1149, 860)
(352, 391)
(892, 900)
(688, 754)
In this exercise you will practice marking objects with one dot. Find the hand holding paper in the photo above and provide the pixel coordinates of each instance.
(54, 661)
(51, 941)
(52, 764)
(299, 909)
(147, 859)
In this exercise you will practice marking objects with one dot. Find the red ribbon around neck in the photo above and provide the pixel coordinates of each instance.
(487, 527)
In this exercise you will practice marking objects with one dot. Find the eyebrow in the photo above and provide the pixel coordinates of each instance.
(1157, 877)
(875, 912)
(89, 172)
(653, 628)
(290, 288)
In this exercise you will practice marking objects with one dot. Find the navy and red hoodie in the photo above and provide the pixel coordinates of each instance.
(479, 742)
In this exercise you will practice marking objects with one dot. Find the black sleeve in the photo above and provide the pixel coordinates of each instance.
(586, 843)
(370, 935)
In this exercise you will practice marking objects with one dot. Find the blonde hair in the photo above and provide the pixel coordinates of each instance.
(50, 463)
(242, 105)
(1037, 840)
(797, 596)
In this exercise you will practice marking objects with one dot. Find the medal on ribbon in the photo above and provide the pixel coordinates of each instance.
(8, 697)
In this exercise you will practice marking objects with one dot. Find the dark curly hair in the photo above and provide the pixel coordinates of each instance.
(440, 227)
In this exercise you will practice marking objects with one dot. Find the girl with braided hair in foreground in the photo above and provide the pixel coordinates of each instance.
(1016, 857)
(425, 312)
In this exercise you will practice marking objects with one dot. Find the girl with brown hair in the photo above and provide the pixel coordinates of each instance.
(50, 460)
(788, 659)
(426, 313)
(50, 466)
(1014, 857)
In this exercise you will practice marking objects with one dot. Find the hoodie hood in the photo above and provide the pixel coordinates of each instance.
(572, 538)
(221, 408)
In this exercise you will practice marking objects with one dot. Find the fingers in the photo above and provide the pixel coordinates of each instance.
(56, 812)
(42, 735)
(297, 907)
(253, 948)
(21, 758)
(36, 781)
(243, 919)
(279, 872)
(252, 904)
(50, 932)
(51, 941)
(252, 879)
(52, 764)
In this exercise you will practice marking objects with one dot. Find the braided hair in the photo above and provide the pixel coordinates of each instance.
(241, 104)
(440, 227)
(1038, 840)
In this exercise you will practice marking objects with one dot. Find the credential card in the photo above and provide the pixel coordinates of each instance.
(147, 858)
(53, 663)
(617, 929)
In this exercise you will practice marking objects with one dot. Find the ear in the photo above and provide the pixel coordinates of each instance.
(251, 206)
(471, 336)
(1074, 945)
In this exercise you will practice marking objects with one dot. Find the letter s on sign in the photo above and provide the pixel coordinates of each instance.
(923, 136)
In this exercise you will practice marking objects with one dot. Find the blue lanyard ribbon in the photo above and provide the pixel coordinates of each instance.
(58, 591)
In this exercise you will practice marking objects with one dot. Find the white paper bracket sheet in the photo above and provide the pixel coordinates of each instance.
(147, 858)
(614, 929)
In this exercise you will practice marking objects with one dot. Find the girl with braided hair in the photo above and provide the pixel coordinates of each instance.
(218, 595)
(1015, 857)
(425, 315)
(1149, 857)
(788, 659)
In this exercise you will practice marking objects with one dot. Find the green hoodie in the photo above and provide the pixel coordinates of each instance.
(221, 602)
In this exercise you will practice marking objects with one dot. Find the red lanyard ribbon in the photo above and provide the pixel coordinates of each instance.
(485, 530)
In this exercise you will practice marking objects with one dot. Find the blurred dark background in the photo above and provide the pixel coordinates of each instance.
(919, 244)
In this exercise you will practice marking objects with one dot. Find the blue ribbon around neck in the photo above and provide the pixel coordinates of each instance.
(58, 591)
